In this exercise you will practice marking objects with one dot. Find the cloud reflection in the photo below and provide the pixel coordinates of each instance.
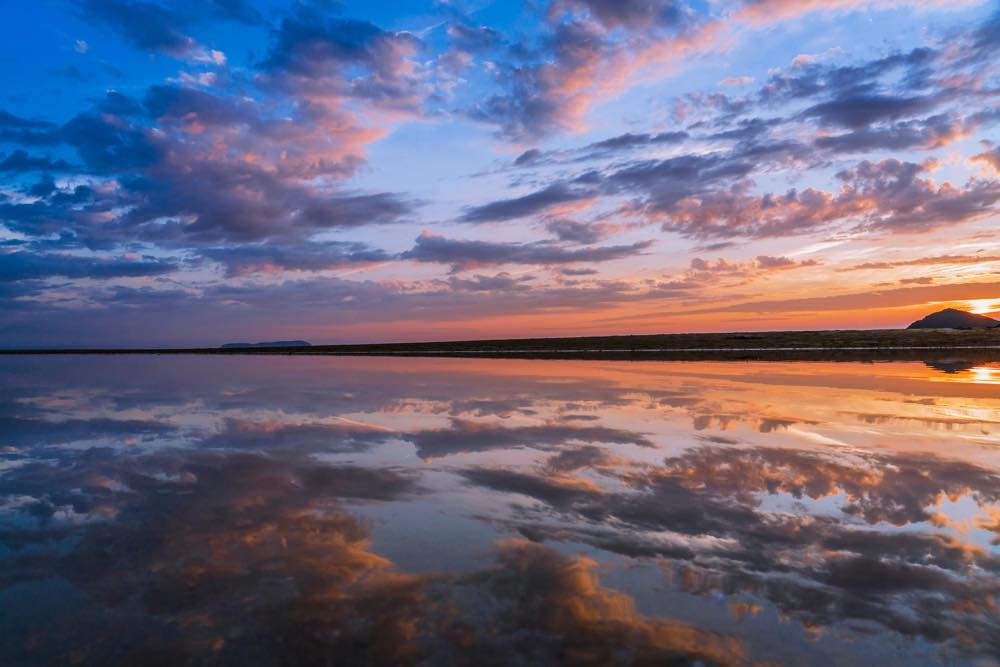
(390, 511)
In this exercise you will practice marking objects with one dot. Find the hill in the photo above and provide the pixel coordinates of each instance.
(952, 318)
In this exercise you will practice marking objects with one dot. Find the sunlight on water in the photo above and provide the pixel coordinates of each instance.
(206, 510)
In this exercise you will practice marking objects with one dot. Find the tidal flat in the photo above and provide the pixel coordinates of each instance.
(316, 510)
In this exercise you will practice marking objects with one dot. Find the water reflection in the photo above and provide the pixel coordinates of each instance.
(184, 510)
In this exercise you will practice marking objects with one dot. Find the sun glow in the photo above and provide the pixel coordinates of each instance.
(983, 306)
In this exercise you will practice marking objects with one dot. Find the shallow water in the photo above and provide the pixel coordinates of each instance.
(285, 510)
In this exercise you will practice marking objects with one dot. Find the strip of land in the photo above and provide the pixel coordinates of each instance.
(871, 345)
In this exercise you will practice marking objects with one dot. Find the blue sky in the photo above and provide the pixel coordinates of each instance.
(186, 173)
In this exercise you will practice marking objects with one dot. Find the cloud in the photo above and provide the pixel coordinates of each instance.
(465, 436)
(770, 263)
(107, 145)
(990, 157)
(578, 232)
(530, 204)
(935, 260)
(863, 110)
(632, 14)
(20, 161)
(630, 140)
(271, 257)
(149, 26)
(715, 534)
(314, 438)
(932, 132)
(473, 38)
(702, 268)
(25, 265)
(577, 62)
(885, 196)
(201, 537)
(762, 12)
(502, 282)
(319, 56)
(466, 254)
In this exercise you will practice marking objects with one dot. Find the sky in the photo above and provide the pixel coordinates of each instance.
(204, 171)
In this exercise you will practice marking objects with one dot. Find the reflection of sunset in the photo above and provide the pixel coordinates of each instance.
(985, 374)
(664, 506)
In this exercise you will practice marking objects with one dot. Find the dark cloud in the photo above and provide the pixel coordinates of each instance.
(108, 146)
(859, 111)
(241, 11)
(629, 140)
(588, 456)
(503, 282)
(20, 161)
(118, 104)
(668, 181)
(23, 265)
(315, 438)
(578, 272)
(542, 97)
(555, 492)
(162, 28)
(931, 132)
(528, 158)
(214, 198)
(10, 121)
(314, 52)
(474, 38)
(26, 131)
(462, 254)
(149, 26)
(634, 14)
(530, 204)
(852, 81)
(247, 259)
(306, 44)
(770, 263)
(177, 103)
(41, 434)
(464, 436)
(577, 232)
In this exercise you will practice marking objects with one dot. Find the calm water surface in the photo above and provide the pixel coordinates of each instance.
(324, 511)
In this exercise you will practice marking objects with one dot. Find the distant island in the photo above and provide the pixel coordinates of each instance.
(953, 318)
(270, 343)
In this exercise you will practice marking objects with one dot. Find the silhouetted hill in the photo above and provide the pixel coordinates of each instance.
(952, 318)
(272, 343)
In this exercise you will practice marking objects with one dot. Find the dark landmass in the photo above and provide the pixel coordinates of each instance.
(273, 343)
(942, 345)
(952, 318)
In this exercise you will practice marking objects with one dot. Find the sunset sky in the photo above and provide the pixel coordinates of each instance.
(201, 171)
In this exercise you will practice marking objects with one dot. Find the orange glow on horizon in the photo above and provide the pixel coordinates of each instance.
(983, 306)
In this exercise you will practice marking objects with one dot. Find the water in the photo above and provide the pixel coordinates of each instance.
(371, 511)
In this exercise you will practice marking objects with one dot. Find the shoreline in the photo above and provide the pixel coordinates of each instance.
(847, 345)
